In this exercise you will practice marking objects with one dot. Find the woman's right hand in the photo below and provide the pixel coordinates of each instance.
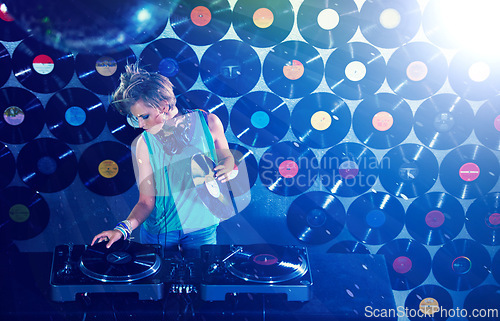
(110, 236)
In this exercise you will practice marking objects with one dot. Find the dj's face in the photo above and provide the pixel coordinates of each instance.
(151, 119)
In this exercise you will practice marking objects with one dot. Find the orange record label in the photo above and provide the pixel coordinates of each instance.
(417, 71)
(382, 121)
(19, 213)
(293, 70)
(321, 120)
(43, 64)
(263, 18)
(13, 115)
(106, 66)
(4, 14)
(108, 168)
(429, 306)
(201, 16)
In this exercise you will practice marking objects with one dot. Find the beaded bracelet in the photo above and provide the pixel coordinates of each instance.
(124, 227)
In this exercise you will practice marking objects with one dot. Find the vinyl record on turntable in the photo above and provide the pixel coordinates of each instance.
(204, 100)
(483, 219)
(389, 23)
(417, 70)
(22, 115)
(101, 73)
(428, 300)
(316, 217)
(487, 123)
(213, 193)
(267, 263)
(382, 120)
(495, 266)
(7, 166)
(321, 120)
(469, 171)
(260, 119)
(230, 68)
(106, 168)
(124, 261)
(355, 70)
(348, 169)
(201, 22)
(293, 69)
(5, 65)
(484, 301)
(443, 121)
(77, 116)
(461, 264)
(411, 171)
(288, 168)
(41, 68)
(375, 218)
(9, 29)
(47, 165)
(24, 213)
(435, 218)
(174, 59)
(328, 24)
(474, 77)
(120, 128)
(348, 246)
(408, 263)
(263, 23)
(246, 169)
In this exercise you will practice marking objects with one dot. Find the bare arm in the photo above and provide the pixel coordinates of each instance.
(226, 159)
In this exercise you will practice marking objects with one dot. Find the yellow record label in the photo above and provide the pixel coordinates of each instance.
(108, 168)
(19, 213)
(321, 120)
(263, 18)
(429, 306)
(106, 66)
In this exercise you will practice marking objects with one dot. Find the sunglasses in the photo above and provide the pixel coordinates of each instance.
(134, 121)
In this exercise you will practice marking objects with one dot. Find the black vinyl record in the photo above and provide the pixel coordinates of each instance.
(408, 263)
(427, 301)
(347, 247)
(263, 23)
(213, 193)
(7, 166)
(408, 170)
(469, 171)
(293, 69)
(174, 59)
(260, 119)
(461, 264)
(355, 70)
(483, 219)
(47, 165)
(24, 213)
(495, 266)
(487, 123)
(204, 100)
(9, 28)
(230, 68)
(443, 121)
(41, 68)
(417, 70)
(288, 168)
(22, 115)
(5, 64)
(101, 73)
(120, 128)
(321, 120)
(390, 23)
(375, 218)
(473, 76)
(483, 301)
(316, 217)
(106, 168)
(328, 24)
(382, 120)
(76, 115)
(201, 22)
(435, 218)
(245, 172)
(348, 169)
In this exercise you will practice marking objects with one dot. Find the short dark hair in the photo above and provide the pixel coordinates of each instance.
(139, 84)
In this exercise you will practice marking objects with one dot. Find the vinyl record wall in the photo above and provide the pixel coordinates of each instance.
(363, 126)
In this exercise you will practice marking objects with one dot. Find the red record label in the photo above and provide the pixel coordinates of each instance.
(43, 64)
(201, 16)
(288, 169)
(494, 220)
(469, 172)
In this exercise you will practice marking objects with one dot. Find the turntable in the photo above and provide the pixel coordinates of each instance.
(126, 267)
(256, 268)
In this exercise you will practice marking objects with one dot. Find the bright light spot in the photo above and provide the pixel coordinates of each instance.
(390, 18)
(3, 8)
(143, 15)
(479, 71)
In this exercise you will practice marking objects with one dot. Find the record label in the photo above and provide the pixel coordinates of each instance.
(348, 169)
(288, 169)
(168, 67)
(497, 123)
(417, 71)
(375, 218)
(355, 71)
(429, 306)
(19, 213)
(75, 116)
(469, 172)
(13, 115)
(390, 18)
(382, 121)
(328, 19)
(260, 119)
(263, 18)
(212, 187)
(108, 168)
(293, 70)
(201, 16)
(402, 264)
(43, 64)
(106, 66)
(46, 165)
(321, 120)
(461, 265)
(479, 71)
(434, 219)
(493, 220)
